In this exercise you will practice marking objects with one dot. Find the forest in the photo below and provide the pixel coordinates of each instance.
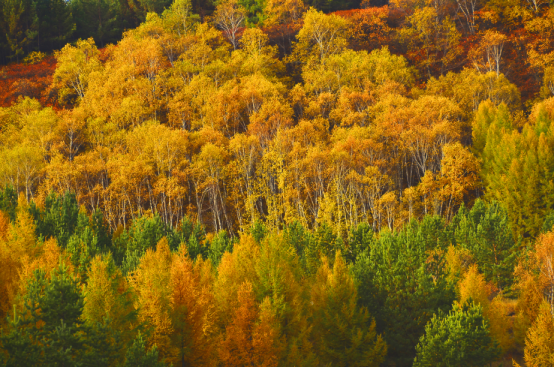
(277, 183)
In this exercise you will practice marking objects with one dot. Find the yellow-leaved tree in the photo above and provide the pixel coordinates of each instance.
(252, 338)
(192, 312)
(107, 296)
(75, 66)
(474, 287)
(152, 286)
(539, 343)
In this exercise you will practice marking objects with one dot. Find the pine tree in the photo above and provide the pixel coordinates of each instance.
(59, 218)
(101, 231)
(188, 228)
(139, 356)
(359, 240)
(486, 231)
(460, 338)
(60, 309)
(324, 242)
(259, 231)
(219, 245)
(103, 20)
(548, 223)
(19, 24)
(18, 344)
(402, 281)
(50, 326)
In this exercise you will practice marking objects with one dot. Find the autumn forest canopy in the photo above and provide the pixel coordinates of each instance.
(276, 183)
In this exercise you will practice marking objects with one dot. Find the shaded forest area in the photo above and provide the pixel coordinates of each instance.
(45, 25)
(280, 183)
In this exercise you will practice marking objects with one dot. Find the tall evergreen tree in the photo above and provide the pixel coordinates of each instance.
(354, 340)
(460, 338)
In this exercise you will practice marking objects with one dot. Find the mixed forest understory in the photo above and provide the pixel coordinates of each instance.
(280, 183)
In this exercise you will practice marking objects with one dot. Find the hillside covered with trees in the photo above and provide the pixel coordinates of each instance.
(277, 183)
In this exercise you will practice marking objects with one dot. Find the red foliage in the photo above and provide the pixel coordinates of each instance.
(369, 28)
(518, 71)
(283, 35)
(27, 80)
(375, 11)
(514, 65)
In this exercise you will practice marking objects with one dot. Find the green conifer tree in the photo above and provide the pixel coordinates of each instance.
(460, 338)
(139, 356)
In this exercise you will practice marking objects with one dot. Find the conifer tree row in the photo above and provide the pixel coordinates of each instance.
(148, 295)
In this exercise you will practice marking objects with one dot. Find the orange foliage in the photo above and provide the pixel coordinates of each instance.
(247, 343)
(4, 226)
(369, 29)
(18, 80)
(544, 252)
(192, 313)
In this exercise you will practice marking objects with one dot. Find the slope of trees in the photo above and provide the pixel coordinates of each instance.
(247, 183)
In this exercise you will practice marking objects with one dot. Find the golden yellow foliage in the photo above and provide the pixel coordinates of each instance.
(106, 294)
(458, 261)
(246, 342)
(9, 278)
(192, 312)
(235, 269)
(21, 255)
(474, 287)
(152, 284)
(539, 344)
